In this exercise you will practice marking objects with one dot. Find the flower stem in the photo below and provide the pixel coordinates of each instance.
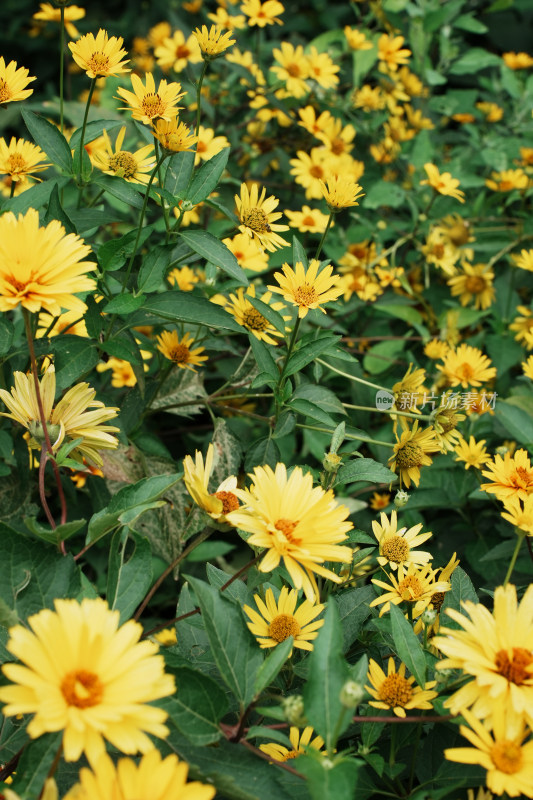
(352, 377)
(349, 436)
(321, 242)
(163, 203)
(61, 63)
(83, 127)
(199, 98)
(282, 379)
(520, 535)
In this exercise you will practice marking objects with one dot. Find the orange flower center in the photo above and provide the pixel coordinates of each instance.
(123, 164)
(522, 479)
(305, 295)
(16, 163)
(286, 527)
(293, 70)
(506, 186)
(182, 51)
(253, 320)
(255, 219)
(152, 105)
(282, 627)
(506, 757)
(316, 171)
(465, 372)
(515, 669)
(395, 549)
(475, 284)
(98, 63)
(201, 147)
(82, 689)
(17, 285)
(337, 146)
(179, 354)
(229, 501)
(5, 91)
(410, 588)
(409, 455)
(395, 690)
(308, 220)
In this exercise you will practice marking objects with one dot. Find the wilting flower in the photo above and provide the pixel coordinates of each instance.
(196, 478)
(411, 453)
(99, 55)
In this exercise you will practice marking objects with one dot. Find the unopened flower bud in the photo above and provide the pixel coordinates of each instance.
(502, 450)
(351, 694)
(331, 462)
(401, 499)
(429, 616)
(293, 709)
(443, 675)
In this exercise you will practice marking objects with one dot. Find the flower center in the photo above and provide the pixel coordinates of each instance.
(437, 600)
(410, 588)
(98, 63)
(201, 147)
(337, 146)
(316, 171)
(515, 669)
(465, 371)
(180, 354)
(256, 219)
(5, 91)
(16, 163)
(395, 690)
(522, 479)
(123, 164)
(229, 501)
(308, 220)
(475, 284)
(506, 186)
(293, 70)
(409, 455)
(82, 689)
(182, 51)
(506, 756)
(286, 527)
(17, 285)
(254, 321)
(395, 549)
(305, 295)
(291, 754)
(152, 105)
(447, 420)
(282, 627)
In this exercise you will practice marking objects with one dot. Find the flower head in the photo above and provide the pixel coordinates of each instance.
(133, 167)
(295, 522)
(442, 183)
(356, 39)
(20, 158)
(527, 368)
(299, 744)
(248, 252)
(474, 285)
(466, 366)
(341, 192)
(71, 14)
(247, 315)
(524, 260)
(146, 104)
(41, 267)
(391, 53)
(307, 288)
(196, 478)
(99, 56)
(257, 216)
(174, 136)
(292, 67)
(179, 351)
(213, 43)
(397, 546)
(208, 144)
(13, 82)
(517, 60)
(395, 691)
(262, 13)
(412, 584)
(519, 513)
(176, 51)
(279, 620)
(411, 453)
(84, 675)
(507, 180)
(308, 220)
(510, 476)
(472, 453)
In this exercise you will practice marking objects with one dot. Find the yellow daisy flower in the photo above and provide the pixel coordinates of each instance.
(503, 752)
(445, 424)
(524, 260)
(174, 136)
(368, 98)
(307, 288)
(292, 68)
(308, 220)
(391, 53)
(262, 13)
(81, 674)
(442, 183)
(133, 167)
(517, 60)
(414, 585)
(179, 351)
(70, 419)
(250, 318)
(507, 180)
(208, 144)
(13, 82)
(299, 743)
(295, 522)
(519, 513)
(356, 39)
(20, 158)
(184, 278)
(99, 55)
(395, 691)
(69, 322)
(474, 284)
(436, 349)
(279, 620)
(213, 42)
(466, 366)
(510, 476)
(472, 453)
(71, 14)
(527, 368)
(310, 169)
(122, 372)
(247, 252)
(323, 69)
(41, 267)
(523, 325)
(492, 111)
(258, 218)
(226, 21)
(196, 478)
(379, 500)
(175, 52)
(411, 453)
(341, 192)
(153, 776)
(397, 546)
(146, 104)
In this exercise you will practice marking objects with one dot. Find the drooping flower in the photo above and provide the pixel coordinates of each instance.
(100, 55)
(396, 546)
(442, 183)
(258, 218)
(466, 366)
(83, 674)
(295, 522)
(523, 327)
(41, 267)
(279, 620)
(510, 476)
(134, 167)
(412, 584)
(196, 478)
(307, 288)
(395, 691)
(20, 158)
(411, 453)
(146, 104)
(13, 82)
(174, 136)
(299, 744)
(180, 351)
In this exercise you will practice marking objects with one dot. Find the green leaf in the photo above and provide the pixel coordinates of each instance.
(308, 351)
(197, 707)
(74, 356)
(180, 168)
(311, 410)
(380, 357)
(124, 304)
(364, 469)
(113, 254)
(60, 534)
(462, 589)
(354, 608)
(405, 312)
(177, 306)
(384, 193)
(35, 197)
(123, 346)
(215, 252)
(262, 451)
(34, 765)
(154, 267)
(128, 580)
(6, 335)
(234, 649)
(274, 317)
(330, 781)
(328, 673)
(515, 419)
(468, 22)
(85, 219)
(321, 396)
(207, 177)
(144, 491)
(263, 355)
(56, 211)
(474, 60)
(408, 646)
(272, 665)
(119, 188)
(49, 139)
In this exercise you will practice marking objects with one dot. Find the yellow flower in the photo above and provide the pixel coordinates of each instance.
(466, 366)
(146, 104)
(257, 217)
(262, 14)
(436, 349)
(245, 313)
(396, 546)
(368, 98)
(224, 20)
(519, 513)
(247, 252)
(100, 55)
(474, 284)
(174, 136)
(445, 422)
(208, 144)
(133, 167)
(122, 372)
(395, 691)
(175, 52)
(308, 220)
(495, 651)
(279, 620)
(510, 476)
(153, 776)
(523, 326)
(166, 637)
(292, 68)
(411, 453)
(196, 478)
(41, 267)
(443, 184)
(507, 180)
(356, 39)
(295, 522)
(501, 751)
(379, 500)
(20, 158)
(213, 42)
(85, 676)
(49, 791)
(299, 745)
(524, 260)
(307, 289)
(518, 60)
(390, 51)
(185, 278)
(492, 111)
(472, 453)
(13, 82)
(310, 168)
(413, 584)
(341, 192)
(323, 69)
(70, 419)
(527, 368)
(179, 351)
(69, 322)
(71, 14)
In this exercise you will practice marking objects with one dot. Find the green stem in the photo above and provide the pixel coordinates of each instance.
(61, 64)
(350, 436)
(163, 203)
(351, 377)
(321, 242)
(12, 188)
(83, 127)
(520, 536)
(199, 98)
(390, 412)
(282, 378)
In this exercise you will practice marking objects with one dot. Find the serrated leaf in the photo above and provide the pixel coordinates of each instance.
(49, 139)
(35, 197)
(197, 707)
(215, 252)
(262, 451)
(354, 609)
(154, 267)
(34, 765)
(364, 469)
(113, 254)
(462, 589)
(384, 193)
(321, 396)
(128, 580)
(311, 410)
(177, 306)
(298, 253)
(93, 130)
(272, 665)
(263, 354)
(408, 646)
(207, 177)
(274, 317)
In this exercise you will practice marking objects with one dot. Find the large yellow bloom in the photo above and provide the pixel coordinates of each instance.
(413, 584)
(13, 82)
(307, 288)
(295, 522)
(299, 744)
(146, 104)
(257, 216)
(466, 366)
(279, 620)
(397, 546)
(495, 650)
(196, 478)
(395, 691)
(70, 419)
(133, 167)
(510, 476)
(41, 267)
(84, 675)
(292, 67)
(99, 55)
(20, 158)
(443, 183)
